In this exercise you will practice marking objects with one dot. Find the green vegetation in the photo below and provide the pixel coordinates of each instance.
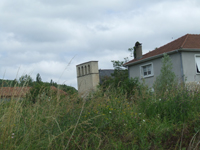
(167, 78)
(119, 80)
(27, 80)
(110, 118)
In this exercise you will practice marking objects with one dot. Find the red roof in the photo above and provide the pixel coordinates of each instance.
(14, 91)
(188, 41)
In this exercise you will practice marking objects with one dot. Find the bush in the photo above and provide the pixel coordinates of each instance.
(167, 78)
(39, 91)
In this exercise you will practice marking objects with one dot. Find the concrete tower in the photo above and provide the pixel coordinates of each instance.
(87, 76)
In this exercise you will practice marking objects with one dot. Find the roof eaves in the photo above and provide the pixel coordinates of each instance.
(160, 55)
(150, 58)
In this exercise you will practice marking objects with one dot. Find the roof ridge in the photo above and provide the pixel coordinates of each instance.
(185, 40)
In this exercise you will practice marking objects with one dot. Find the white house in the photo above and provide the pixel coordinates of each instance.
(184, 53)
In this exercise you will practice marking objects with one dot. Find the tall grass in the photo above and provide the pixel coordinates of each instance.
(105, 120)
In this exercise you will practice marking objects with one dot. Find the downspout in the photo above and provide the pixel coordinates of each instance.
(181, 61)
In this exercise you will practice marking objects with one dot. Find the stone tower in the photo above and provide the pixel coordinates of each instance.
(87, 76)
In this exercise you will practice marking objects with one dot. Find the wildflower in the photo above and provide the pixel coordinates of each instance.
(159, 99)
(13, 133)
(139, 113)
(125, 124)
(110, 112)
(143, 120)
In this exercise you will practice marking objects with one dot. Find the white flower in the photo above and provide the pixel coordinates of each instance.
(110, 112)
(143, 120)
(13, 133)
(159, 99)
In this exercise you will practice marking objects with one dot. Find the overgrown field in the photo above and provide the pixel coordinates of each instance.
(108, 119)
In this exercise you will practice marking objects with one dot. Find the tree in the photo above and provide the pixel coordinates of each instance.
(14, 83)
(119, 80)
(167, 77)
(38, 78)
(25, 80)
(39, 91)
(120, 73)
(68, 89)
(51, 82)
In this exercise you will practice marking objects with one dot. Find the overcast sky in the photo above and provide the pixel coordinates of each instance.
(51, 37)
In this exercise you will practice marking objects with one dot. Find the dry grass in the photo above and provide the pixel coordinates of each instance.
(106, 120)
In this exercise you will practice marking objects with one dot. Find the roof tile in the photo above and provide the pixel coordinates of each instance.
(191, 41)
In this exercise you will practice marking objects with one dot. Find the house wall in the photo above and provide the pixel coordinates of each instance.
(88, 77)
(189, 66)
(134, 70)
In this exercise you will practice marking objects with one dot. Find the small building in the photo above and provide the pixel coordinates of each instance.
(7, 93)
(184, 53)
(89, 76)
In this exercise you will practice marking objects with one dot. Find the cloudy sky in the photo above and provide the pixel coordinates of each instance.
(51, 37)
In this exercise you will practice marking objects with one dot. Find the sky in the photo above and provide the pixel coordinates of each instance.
(51, 37)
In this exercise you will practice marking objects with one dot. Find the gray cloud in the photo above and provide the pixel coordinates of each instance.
(42, 36)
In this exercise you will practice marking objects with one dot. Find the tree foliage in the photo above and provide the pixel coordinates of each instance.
(119, 80)
(38, 78)
(39, 91)
(167, 78)
(25, 80)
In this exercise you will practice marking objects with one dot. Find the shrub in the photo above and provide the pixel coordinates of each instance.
(167, 78)
(38, 91)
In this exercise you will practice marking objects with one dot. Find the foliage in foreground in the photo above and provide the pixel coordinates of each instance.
(106, 120)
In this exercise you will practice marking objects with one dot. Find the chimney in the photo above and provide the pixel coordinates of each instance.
(138, 50)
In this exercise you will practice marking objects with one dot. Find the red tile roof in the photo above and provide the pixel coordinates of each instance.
(188, 41)
(21, 91)
(53, 88)
(14, 91)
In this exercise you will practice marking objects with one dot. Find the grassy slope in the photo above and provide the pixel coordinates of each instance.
(107, 121)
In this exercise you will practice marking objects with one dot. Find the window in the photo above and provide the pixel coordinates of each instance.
(88, 68)
(79, 71)
(82, 70)
(197, 60)
(146, 70)
(85, 70)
